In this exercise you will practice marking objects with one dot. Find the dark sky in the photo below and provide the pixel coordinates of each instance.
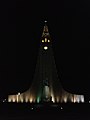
(21, 25)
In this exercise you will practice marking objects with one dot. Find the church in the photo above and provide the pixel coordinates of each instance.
(46, 86)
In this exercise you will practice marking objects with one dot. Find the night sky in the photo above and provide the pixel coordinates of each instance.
(21, 25)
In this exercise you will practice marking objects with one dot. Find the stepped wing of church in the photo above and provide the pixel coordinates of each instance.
(46, 86)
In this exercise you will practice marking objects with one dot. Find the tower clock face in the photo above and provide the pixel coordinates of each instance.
(45, 47)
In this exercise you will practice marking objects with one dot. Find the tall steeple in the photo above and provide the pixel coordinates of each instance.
(46, 85)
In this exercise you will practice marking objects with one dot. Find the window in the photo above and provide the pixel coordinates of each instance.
(48, 40)
(45, 39)
(42, 40)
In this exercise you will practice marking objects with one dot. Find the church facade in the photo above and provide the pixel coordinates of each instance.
(46, 86)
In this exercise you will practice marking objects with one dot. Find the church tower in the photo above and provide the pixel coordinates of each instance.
(46, 86)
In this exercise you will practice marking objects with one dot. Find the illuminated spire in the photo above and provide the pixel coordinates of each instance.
(45, 30)
(46, 86)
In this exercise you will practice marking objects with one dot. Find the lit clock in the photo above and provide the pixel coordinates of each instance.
(45, 47)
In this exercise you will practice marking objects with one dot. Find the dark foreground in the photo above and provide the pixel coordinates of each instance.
(27, 111)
